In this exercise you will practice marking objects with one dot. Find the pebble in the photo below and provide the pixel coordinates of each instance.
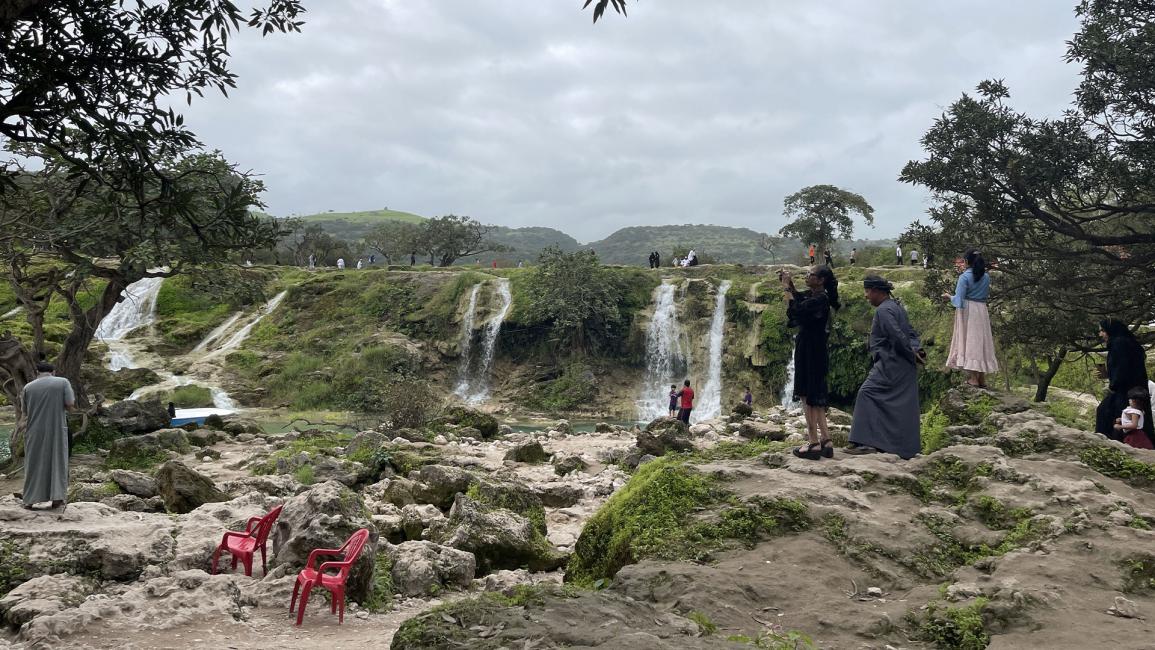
(400, 441)
(1124, 608)
(875, 592)
(440, 440)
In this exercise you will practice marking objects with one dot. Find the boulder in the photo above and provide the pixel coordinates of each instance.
(513, 495)
(365, 443)
(670, 425)
(325, 516)
(135, 483)
(184, 489)
(277, 485)
(215, 421)
(498, 538)
(563, 426)
(743, 409)
(424, 568)
(564, 464)
(416, 518)
(527, 452)
(836, 416)
(438, 484)
(755, 430)
(88, 491)
(44, 596)
(464, 416)
(558, 495)
(701, 429)
(603, 427)
(132, 417)
(665, 440)
(150, 446)
(235, 425)
(203, 437)
(131, 503)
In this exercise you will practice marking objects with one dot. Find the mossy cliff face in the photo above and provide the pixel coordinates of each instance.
(1017, 531)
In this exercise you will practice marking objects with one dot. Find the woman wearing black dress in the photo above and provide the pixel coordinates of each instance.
(1126, 369)
(810, 312)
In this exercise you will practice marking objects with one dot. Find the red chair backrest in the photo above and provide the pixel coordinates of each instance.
(266, 524)
(352, 549)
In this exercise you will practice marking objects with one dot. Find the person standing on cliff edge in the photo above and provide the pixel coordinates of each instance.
(46, 401)
(886, 414)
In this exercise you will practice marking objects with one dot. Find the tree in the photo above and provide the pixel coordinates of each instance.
(821, 213)
(575, 295)
(396, 239)
(83, 243)
(600, 8)
(1063, 207)
(451, 237)
(91, 81)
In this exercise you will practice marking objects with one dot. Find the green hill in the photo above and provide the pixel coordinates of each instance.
(528, 242)
(723, 243)
(369, 217)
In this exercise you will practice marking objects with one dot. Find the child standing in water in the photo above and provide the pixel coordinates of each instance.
(673, 400)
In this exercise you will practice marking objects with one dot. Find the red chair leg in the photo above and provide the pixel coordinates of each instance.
(234, 562)
(296, 590)
(264, 569)
(304, 600)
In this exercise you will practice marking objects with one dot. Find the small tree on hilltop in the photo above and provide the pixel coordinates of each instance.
(450, 238)
(575, 295)
(823, 213)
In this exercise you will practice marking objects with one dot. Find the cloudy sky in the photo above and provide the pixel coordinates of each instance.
(520, 112)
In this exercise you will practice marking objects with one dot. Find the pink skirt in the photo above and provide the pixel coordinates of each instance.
(973, 346)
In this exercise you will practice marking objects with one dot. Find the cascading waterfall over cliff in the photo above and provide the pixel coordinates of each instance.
(136, 309)
(666, 361)
(239, 337)
(710, 402)
(473, 379)
(787, 396)
(462, 389)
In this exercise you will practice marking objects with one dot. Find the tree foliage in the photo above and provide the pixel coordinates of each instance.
(822, 213)
(576, 296)
(396, 239)
(600, 8)
(82, 243)
(92, 80)
(1062, 207)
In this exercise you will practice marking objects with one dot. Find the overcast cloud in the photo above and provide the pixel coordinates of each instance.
(520, 112)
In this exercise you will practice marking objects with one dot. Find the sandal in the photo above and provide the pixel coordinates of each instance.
(827, 447)
(813, 451)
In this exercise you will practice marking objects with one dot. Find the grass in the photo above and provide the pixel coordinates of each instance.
(656, 515)
(190, 396)
(1118, 464)
(705, 625)
(365, 216)
(13, 569)
(954, 628)
(934, 435)
(381, 597)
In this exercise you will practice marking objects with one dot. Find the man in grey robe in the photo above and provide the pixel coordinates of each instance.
(46, 401)
(886, 414)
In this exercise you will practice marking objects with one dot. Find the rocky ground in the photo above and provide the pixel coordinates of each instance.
(1017, 533)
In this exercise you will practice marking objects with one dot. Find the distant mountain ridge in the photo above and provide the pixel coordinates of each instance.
(629, 245)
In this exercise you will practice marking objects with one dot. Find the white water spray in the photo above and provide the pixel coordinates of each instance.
(136, 309)
(787, 396)
(217, 332)
(710, 405)
(462, 389)
(235, 340)
(488, 347)
(664, 355)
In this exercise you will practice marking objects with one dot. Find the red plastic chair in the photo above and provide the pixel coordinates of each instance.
(335, 583)
(243, 545)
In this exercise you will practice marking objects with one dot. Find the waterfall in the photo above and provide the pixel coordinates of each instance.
(664, 355)
(235, 340)
(136, 308)
(489, 345)
(710, 405)
(787, 397)
(217, 332)
(462, 389)
(10, 313)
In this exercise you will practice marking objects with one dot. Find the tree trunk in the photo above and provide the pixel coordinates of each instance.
(17, 368)
(84, 324)
(1053, 365)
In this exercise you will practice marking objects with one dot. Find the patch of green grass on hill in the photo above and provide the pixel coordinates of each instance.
(186, 314)
(365, 216)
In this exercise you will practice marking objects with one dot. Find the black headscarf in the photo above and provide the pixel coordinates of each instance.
(877, 282)
(1115, 328)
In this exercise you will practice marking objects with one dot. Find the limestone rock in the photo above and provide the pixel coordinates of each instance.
(203, 437)
(527, 452)
(235, 425)
(44, 596)
(365, 443)
(277, 485)
(498, 538)
(438, 484)
(424, 568)
(559, 495)
(149, 445)
(324, 517)
(664, 440)
(414, 519)
(513, 495)
(135, 483)
(184, 489)
(463, 416)
(132, 417)
(743, 409)
(603, 427)
(663, 425)
(132, 503)
(761, 430)
(563, 426)
(565, 463)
